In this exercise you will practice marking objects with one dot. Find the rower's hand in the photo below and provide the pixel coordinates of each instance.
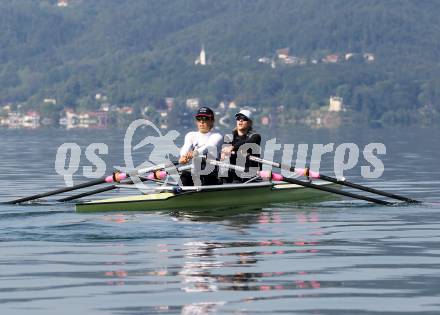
(226, 151)
(157, 174)
(184, 159)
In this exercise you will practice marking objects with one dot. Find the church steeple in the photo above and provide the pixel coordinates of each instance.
(202, 57)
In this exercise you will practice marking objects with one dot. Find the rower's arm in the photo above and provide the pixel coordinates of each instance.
(212, 146)
(188, 144)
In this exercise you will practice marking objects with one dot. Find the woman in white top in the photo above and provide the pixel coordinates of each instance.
(202, 142)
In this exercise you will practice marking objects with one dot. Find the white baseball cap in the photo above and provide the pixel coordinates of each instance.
(244, 112)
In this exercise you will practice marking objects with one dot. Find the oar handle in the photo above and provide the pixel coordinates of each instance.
(226, 165)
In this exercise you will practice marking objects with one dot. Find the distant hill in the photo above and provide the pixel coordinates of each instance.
(139, 51)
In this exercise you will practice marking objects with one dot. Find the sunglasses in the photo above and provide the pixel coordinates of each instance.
(203, 118)
(243, 118)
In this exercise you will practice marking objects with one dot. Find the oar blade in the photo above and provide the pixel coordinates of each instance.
(59, 191)
(368, 189)
(337, 192)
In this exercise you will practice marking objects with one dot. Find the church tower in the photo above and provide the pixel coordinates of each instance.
(202, 57)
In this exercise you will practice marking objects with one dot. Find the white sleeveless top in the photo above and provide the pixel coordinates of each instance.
(204, 143)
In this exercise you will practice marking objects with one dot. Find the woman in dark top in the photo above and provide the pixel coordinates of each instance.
(242, 134)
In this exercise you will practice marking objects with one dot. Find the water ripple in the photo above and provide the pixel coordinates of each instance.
(335, 257)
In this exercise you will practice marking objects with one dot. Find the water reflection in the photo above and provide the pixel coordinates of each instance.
(203, 259)
(213, 266)
(240, 217)
(199, 257)
(201, 308)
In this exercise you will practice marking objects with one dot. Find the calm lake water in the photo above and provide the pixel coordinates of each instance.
(338, 257)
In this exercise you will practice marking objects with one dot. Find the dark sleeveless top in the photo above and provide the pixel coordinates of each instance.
(237, 142)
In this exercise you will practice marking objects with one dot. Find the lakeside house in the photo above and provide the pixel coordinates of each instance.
(333, 58)
(369, 57)
(85, 119)
(284, 57)
(192, 103)
(335, 104)
(283, 53)
(63, 3)
(30, 120)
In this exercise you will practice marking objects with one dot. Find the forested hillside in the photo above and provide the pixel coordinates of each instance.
(138, 52)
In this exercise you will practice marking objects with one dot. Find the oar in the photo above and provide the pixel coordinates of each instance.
(101, 190)
(226, 165)
(159, 179)
(115, 177)
(316, 175)
(88, 193)
(302, 183)
(280, 177)
(60, 190)
(112, 187)
(364, 188)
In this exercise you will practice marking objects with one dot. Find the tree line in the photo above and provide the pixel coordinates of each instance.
(136, 52)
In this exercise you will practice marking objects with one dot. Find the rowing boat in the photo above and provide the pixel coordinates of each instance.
(209, 197)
